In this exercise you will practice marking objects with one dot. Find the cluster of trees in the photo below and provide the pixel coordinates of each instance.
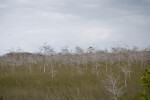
(92, 56)
(97, 61)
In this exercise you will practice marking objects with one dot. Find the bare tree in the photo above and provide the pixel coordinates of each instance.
(65, 50)
(113, 85)
(79, 50)
(96, 68)
(47, 50)
(127, 73)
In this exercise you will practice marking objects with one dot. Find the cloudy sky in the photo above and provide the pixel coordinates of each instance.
(100, 23)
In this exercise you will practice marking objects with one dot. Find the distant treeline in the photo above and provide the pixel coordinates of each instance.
(47, 54)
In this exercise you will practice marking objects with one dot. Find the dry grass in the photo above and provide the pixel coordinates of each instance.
(68, 83)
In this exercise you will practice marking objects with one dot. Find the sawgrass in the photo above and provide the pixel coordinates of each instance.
(68, 83)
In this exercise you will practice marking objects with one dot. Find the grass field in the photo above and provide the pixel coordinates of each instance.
(68, 83)
(91, 75)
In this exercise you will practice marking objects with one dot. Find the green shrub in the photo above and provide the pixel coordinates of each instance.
(145, 83)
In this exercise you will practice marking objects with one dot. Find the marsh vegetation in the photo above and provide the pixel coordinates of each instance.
(80, 75)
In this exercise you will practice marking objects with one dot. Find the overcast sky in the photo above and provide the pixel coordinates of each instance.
(100, 23)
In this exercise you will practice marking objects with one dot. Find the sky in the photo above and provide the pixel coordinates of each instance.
(28, 24)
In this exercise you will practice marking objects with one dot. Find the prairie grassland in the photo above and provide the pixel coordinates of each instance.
(67, 83)
(88, 76)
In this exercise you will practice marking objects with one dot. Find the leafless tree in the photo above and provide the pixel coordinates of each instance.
(96, 68)
(113, 85)
(79, 50)
(127, 73)
(47, 51)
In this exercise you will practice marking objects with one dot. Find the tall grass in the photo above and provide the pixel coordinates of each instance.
(68, 76)
(67, 84)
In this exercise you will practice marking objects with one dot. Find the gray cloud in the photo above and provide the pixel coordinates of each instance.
(30, 23)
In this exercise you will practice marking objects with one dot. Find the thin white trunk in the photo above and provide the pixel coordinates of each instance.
(106, 63)
(13, 69)
(44, 68)
(52, 70)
